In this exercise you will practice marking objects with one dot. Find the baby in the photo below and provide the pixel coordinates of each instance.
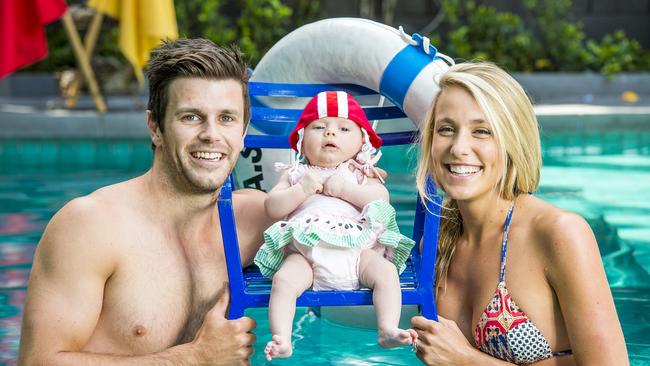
(338, 230)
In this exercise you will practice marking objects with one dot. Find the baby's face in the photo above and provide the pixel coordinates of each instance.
(330, 141)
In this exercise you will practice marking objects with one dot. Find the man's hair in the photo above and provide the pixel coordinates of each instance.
(192, 58)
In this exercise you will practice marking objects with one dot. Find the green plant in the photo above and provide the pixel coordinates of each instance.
(543, 38)
(253, 25)
(205, 18)
(261, 24)
(562, 39)
(305, 11)
(616, 53)
(481, 32)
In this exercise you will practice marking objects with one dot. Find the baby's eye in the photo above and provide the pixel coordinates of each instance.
(317, 127)
(345, 129)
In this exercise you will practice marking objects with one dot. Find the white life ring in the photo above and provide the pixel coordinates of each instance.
(343, 51)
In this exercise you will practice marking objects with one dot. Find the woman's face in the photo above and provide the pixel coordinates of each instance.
(465, 158)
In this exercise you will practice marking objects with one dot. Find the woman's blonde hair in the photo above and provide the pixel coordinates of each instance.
(509, 113)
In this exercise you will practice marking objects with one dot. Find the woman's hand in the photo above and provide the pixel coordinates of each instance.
(441, 342)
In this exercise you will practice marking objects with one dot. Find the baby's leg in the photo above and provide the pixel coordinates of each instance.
(379, 274)
(290, 281)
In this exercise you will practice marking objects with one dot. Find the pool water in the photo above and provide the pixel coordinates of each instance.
(604, 177)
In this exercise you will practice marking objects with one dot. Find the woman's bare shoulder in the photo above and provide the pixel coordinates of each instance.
(557, 232)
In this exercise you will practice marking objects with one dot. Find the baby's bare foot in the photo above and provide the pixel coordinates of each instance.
(278, 347)
(396, 337)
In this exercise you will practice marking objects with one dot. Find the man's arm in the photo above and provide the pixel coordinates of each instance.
(73, 261)
(65, 292)
(252, 220)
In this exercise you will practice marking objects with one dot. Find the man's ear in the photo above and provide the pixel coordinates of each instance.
(154, 130)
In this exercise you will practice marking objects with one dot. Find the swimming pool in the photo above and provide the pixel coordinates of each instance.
(602, 175)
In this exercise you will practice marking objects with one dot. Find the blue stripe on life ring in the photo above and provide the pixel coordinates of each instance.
(403, 69)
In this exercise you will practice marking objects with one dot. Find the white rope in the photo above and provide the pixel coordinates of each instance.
(406, 37)
(449, 60)
(426, 46)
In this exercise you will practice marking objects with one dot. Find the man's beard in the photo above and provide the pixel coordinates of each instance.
(196, 180)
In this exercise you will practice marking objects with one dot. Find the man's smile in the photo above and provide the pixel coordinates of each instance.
(208, 155)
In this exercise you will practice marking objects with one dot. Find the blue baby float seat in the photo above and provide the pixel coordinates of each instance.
(249, 288)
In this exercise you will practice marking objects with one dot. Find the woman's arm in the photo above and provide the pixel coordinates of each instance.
(284, 198)
(575, 271)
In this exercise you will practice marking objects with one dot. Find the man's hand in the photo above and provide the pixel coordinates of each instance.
(311, 184)
(334, 185)
(220, 341)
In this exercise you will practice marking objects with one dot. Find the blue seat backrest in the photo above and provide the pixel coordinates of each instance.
(248, 287)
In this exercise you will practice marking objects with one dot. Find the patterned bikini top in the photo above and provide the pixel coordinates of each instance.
(504, 331)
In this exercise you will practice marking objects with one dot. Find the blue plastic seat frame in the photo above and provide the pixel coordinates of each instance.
(249, 289)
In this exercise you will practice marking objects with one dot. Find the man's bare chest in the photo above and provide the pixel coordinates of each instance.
(157, 300)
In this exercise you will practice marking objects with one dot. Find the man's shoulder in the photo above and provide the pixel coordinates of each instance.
(249, 192)
(101, 202)
(248, 205)
(252, 220)
(95, 214)
(248, 196)
(86, 230)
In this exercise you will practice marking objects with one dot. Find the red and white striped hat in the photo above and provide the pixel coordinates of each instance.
(333, 104)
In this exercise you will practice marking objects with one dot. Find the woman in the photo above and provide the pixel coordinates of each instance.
(550, 303)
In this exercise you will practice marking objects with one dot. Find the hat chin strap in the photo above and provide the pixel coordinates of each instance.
(368, 156)
(299, 155)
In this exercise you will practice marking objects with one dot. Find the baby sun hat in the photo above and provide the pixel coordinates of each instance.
(333, 104)
(343, 105)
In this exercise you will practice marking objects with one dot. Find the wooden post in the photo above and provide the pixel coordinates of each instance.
(83, 60)
(89, 45)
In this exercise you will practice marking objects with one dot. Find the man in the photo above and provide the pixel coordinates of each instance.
(134, 273)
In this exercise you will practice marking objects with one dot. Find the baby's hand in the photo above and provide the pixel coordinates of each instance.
(311, 184)
(377, 173)
(334, 185)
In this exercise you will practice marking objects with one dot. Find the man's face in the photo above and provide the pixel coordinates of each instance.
(204, 124)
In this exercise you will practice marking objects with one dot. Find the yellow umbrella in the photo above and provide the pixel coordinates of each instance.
(143, 25)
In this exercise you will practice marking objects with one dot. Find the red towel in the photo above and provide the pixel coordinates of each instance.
(22, 33)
